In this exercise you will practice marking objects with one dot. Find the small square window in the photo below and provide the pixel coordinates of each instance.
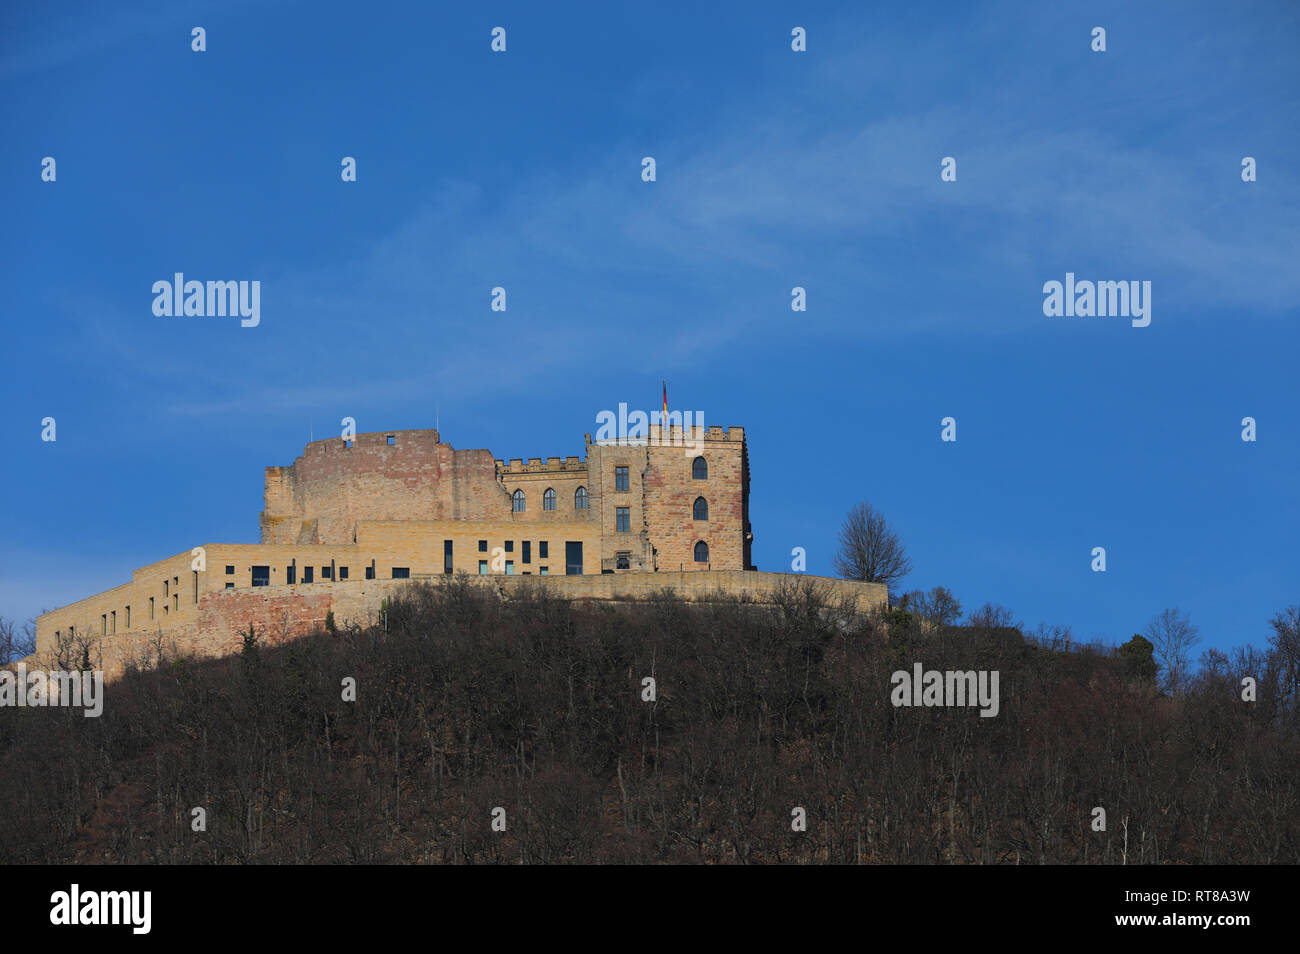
(401, 572)
(510, 546)
(370, 573)
(482, 567)
(391, 439)
(230, 570)
(482, 546)
(510, 567)
(347, 443)
(542, 571)
(343, 573)
(230, 586)
(327, 573)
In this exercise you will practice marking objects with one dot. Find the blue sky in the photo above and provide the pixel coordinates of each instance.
(774, 169)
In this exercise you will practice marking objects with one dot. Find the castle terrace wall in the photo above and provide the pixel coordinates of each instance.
(281, 612)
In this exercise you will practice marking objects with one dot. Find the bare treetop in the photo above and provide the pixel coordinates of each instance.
(869, 549)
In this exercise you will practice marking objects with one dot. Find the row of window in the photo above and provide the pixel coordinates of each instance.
(699, 471)
(699, 511)
(580, 500)
(510, 569)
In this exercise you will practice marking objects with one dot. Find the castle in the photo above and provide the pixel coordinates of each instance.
(351, 519)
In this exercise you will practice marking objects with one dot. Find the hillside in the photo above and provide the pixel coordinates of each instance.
(466, 703)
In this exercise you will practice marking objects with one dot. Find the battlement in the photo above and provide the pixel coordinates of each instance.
(405, 440)
(535, 465)
(675, 436)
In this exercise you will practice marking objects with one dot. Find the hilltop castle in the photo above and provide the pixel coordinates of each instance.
(352, 518)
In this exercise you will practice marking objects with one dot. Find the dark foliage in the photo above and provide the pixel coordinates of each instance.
(466, 701)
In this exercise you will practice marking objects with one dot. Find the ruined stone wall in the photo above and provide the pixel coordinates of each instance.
(282, 612)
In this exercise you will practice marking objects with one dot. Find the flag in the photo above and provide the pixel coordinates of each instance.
(664, 419)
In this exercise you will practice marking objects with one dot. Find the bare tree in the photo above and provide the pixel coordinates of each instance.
(16, 641)
(1285, 643)
(1173, 636)
(939, 606)
(869, 549)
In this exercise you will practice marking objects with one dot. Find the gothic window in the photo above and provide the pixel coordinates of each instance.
(701, 552)
(580, 499)
(700, 469)
(548, 499)
(701, 509)
(517, 501)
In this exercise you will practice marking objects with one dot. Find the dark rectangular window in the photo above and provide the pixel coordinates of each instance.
(401, 572)
(307, 572)
(527, 551)
(343, 573)
(327, 573)
(510, 546)
(370, 572)
(624, 520)
(510, 567)
(392, 439)
(290, 575)
(542, 546)
(482, 567)
(230, 570)
(542, 571)
(261, 576)
(620, 478)
(446, 556)
(482, 546)
(230, 586)
(573, 558)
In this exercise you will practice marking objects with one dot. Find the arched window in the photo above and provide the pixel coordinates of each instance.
(548, 499)
(517, 501)
(580, 499)
(700, 469)
(701, 552)
(701, 509)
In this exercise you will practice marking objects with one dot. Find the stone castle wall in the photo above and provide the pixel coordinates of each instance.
(281, 612)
